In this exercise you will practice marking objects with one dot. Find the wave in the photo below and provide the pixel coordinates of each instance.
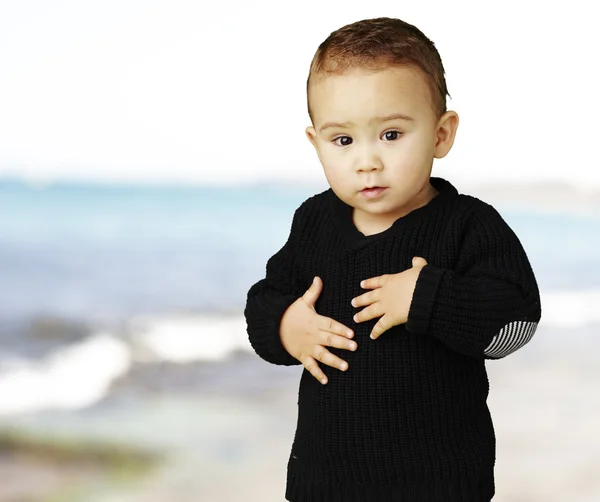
(82, 373)
(570, 308)
(68, 378)
(184, 339)
(194, 338)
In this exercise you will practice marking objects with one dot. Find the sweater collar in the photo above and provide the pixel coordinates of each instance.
(342, 214)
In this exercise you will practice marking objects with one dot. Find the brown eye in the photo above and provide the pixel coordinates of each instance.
(343, 141)
(391, 135)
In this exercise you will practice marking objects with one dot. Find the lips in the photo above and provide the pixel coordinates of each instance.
(373, 192)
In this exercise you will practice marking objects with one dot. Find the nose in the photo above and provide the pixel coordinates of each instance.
(369, 160)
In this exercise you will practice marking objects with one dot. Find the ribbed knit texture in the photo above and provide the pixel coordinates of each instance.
(408, 421)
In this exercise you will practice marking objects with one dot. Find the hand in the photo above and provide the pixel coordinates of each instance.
(305, 334)
(390, 298)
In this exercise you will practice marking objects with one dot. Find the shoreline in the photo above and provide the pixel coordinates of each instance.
(546, 193)
(551, 196)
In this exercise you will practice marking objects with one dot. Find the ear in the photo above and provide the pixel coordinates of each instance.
(445, 134)
(311, 134)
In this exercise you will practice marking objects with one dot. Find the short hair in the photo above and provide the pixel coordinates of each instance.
(377, 44)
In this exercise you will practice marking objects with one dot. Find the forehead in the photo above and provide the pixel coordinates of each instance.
(361, 94)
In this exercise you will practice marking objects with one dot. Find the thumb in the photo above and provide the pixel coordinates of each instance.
(313, 292)
(417, 261)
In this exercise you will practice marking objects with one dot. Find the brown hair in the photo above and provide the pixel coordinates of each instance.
(377, 44)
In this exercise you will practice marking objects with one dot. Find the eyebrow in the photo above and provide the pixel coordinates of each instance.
(387, 118)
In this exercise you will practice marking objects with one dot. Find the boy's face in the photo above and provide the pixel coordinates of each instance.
(378, 129)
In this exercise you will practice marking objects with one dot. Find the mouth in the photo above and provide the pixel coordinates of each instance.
(373, 192)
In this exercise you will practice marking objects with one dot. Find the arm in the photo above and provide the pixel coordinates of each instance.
(269, 298)
(490, 306)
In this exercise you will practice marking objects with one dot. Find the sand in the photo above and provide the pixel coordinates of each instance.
(228, 440)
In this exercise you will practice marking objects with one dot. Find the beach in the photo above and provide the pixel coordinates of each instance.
(224, 441)
(123, 378)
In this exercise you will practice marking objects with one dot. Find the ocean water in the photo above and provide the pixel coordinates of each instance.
(99, 280)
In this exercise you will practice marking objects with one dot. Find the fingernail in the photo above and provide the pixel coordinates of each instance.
(350, 332)
(324, 381)
(343, 366)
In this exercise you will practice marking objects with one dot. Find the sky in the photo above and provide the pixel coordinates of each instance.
(214, 92)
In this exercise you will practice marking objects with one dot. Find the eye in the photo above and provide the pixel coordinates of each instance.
(391, 135)
(345, 141)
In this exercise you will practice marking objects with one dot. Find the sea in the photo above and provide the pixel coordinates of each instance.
(103, 286)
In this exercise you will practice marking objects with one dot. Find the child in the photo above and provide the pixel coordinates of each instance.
(415, 286)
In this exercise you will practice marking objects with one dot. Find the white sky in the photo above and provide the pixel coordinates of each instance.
(209, 92)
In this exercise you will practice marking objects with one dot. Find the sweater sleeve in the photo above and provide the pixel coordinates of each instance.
(490, 305)
(269, 298)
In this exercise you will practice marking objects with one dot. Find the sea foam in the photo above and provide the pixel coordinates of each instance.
(68, 378)
(193, 338)
(81, 374)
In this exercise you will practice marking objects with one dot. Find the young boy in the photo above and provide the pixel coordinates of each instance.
(415, 286)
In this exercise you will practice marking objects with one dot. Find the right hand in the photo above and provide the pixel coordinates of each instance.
(305, 334)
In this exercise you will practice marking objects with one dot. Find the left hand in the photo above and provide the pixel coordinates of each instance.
(389, 299)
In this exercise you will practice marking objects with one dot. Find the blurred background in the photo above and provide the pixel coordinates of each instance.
(152, 154)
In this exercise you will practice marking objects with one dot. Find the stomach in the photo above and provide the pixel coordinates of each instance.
(404, 399)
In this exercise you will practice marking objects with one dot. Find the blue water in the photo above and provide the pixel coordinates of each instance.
(107, 252)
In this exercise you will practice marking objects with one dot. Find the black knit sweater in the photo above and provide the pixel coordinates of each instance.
(408, 420)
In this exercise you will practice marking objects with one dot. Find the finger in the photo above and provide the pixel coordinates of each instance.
(370, 312)
(373, 282)
(366, 298)
(313, 368)
(331, 340)
(322, 355)
(312, 293)
(381, 327)
(332, 326)
(417, 261)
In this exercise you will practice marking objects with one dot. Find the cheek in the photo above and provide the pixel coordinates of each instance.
(334, 175)
(333, 162)
(335, 169)
(413, 153)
